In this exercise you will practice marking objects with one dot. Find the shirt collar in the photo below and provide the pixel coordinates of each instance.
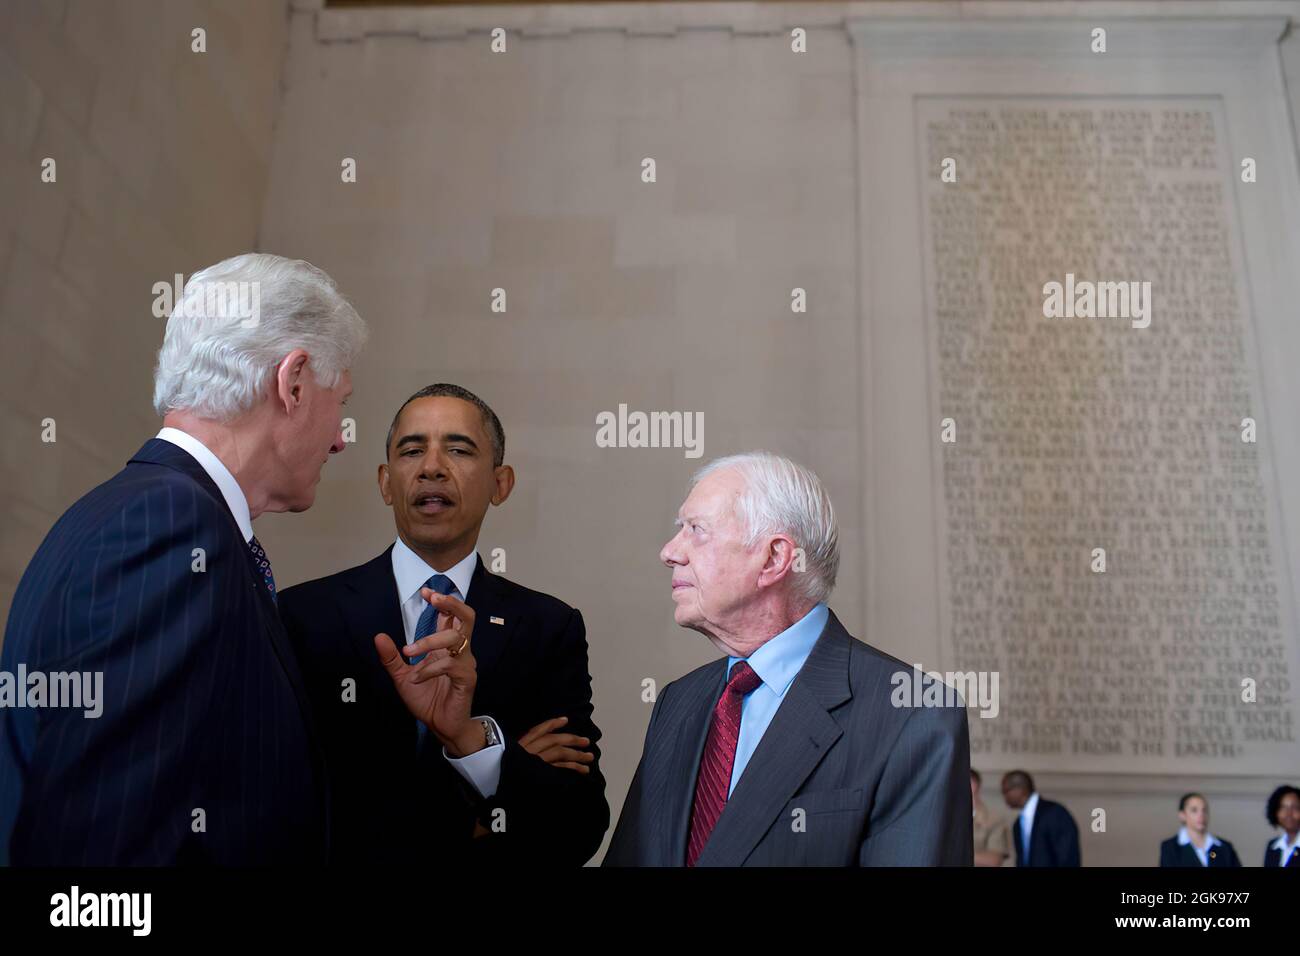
(1032, 804)
(219, 474)
(1280, 843)
(411, 571)
(1184, 837)
(780, 658)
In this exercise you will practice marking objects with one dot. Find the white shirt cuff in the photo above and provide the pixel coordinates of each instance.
(482, 768)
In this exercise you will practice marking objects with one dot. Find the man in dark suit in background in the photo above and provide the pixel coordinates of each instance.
(510, 773)
(153, 587)
(1044, 832)
(791, 750)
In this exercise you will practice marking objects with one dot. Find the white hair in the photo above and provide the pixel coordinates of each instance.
(783, 496)
(217, 354)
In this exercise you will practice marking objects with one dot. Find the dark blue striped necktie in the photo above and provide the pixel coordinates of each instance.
(428, 622)
(426, 625)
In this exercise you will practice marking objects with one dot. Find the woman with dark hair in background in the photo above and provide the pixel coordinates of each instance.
(1195, 845)
(1284, 813)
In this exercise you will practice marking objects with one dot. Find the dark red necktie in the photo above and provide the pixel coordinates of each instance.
(719, 758)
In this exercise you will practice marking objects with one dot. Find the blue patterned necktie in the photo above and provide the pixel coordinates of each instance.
(428, 622)
(263, 564)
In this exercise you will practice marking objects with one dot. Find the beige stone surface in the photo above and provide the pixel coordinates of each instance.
(518, 171)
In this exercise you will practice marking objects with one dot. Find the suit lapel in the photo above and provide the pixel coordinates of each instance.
(489, 599)
(284, 653)
(377, 609)
(157, 451)
(160, 451)
(381, 609)
(801, 733)
(688, 739)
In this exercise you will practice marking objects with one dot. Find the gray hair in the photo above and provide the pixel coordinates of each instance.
(783, 496)
(237, 320)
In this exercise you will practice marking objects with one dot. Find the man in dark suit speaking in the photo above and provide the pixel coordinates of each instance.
(153, 584)
(789, 751)
(505, 767)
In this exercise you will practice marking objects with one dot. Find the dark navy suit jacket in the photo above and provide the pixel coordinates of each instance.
(1172, 853)
(1053, 840)
(878, 785)
(532, 666)
(1273, 856)
(203, 706)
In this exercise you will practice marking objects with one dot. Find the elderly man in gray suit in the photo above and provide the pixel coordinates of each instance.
(790, 750)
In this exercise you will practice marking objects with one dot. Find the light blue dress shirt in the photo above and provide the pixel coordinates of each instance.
(776, 662)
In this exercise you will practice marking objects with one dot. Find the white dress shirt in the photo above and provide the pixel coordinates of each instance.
(483, 767)
(219, 474)
(410, 572)
(1026, 822)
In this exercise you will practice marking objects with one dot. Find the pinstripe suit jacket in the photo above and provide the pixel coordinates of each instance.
(877, 785)
(203, 707)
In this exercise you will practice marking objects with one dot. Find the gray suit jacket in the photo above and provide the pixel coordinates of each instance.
(878, 785)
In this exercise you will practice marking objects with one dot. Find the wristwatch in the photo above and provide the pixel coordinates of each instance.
(489, 732)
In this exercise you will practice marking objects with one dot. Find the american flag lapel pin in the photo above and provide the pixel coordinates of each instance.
(496, 620)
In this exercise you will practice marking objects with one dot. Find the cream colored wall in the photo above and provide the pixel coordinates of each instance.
(476, 172)
(522, 172)
(162, 159)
